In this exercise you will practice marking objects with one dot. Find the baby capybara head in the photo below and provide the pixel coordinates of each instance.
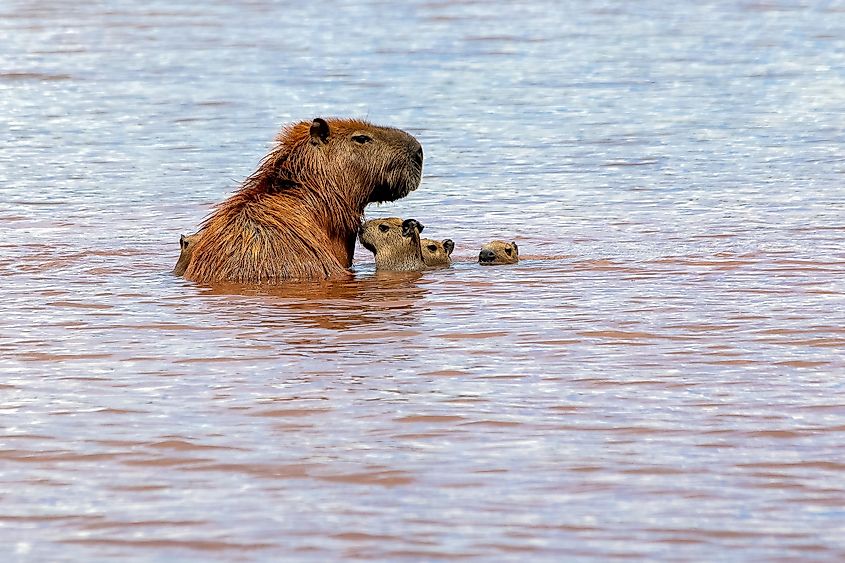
(374, 163)
(437, 253)
(394, 242)
(186, 244)
(498, 252)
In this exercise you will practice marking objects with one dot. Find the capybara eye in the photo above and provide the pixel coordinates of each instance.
(361, 139)
(383, 228)
(432, 248)
(508, 250)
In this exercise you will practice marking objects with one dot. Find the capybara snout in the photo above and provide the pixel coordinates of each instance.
(418, 156)
(398, 153)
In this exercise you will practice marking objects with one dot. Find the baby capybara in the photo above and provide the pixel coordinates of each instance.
(498, 252)
(297, 216)
(437, 253)
(186, 244)
(394, 242)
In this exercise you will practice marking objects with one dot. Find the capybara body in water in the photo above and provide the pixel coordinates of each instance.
(186, 244)
(297, 216)
(394, 242)
(498, 252)
(437, 253)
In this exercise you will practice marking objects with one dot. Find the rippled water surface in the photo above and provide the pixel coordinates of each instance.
(661, 378)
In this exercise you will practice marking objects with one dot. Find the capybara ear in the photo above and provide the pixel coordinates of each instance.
(319, 131)
(515, 247)
(183, 241)
(448, 246)
(411, 225)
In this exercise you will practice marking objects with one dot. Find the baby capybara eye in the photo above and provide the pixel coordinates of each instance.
(361, 139)
(508, 250)
(383, 228)
(432, 248)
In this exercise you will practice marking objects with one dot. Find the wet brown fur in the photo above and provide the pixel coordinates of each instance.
(297, 216)
(436, 252)
(502, 253)
(394, 242)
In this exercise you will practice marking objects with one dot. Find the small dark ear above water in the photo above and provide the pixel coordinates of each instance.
(183, 241)
(448, 246)
(319, 131)
(411, 225)
(515, 247)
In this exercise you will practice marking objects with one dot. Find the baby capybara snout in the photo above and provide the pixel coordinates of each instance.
(394, 242)
(498, 252)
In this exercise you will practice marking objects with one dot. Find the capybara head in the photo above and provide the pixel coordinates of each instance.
(437, 253)
(498, 252)
(394, 242)
(186, 244)
(367, 162)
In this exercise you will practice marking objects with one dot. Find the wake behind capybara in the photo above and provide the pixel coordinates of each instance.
(437, 253)
(394, 243)
(297, 216)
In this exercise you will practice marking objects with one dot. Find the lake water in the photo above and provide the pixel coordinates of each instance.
(671, 386)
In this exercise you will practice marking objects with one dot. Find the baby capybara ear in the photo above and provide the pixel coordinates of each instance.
(515, 247)
(411, 225)
(183, 241)
(319, 131)
(448, 246)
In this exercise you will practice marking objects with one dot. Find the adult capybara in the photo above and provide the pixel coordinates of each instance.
(394, 242)
(437, 253)
(186, 244)
(498, 252)
(297, 216)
